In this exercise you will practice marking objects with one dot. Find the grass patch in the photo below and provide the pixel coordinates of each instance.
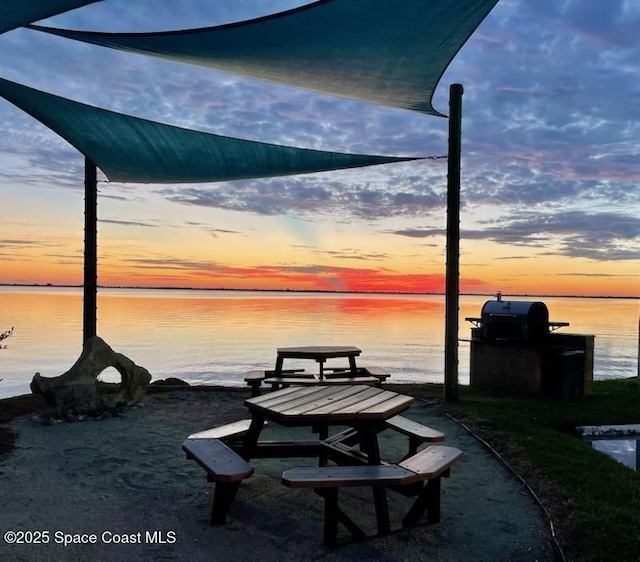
(593, 500)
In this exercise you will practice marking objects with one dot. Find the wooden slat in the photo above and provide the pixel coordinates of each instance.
(378, 372)
(298, 396)
(315, 352)
(413, 428)
(237, 428)
(274, 398)
(254, 375)
(272, 372)
(347, 401)
(302, 403)
(297, 381)
(382, 398)
(432, 461)
(339, 476)
(349, 380)
(260, 400)
(324, 395)
(388, 408)
(220, 462)
(310, 380)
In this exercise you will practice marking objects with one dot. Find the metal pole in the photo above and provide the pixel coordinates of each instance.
(452, 296)
(90, 300)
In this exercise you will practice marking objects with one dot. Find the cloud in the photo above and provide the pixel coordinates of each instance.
(420, 232)
(318, 277)
(386, 193)
(128, 223)
(551, 129)
(596, 236)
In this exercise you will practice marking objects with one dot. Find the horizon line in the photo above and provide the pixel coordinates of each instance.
(142, 287)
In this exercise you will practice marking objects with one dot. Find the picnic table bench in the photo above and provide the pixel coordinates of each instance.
(224, 467)
(279, 377)
(429, 466)
(297, 377)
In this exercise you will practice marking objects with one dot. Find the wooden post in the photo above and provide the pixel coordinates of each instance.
(90, 298)
(452, 295)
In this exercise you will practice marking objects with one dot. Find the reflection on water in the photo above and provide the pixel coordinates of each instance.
(215, 336)
(625, 451)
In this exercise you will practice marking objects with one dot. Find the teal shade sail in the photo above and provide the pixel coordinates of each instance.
(129, 149)
(16, 13)
(387, 52)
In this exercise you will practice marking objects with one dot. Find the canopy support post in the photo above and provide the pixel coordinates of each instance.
(90, 286)
(452, 284)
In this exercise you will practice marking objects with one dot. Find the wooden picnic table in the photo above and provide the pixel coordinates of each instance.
(319, 354)
(365, 411)
(363, 408)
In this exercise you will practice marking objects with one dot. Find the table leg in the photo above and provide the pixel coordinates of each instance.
(252, 436)
(278, 370)
(369, 445)
(352, 366)
(323, 433)
(223, 496)
(368, 436)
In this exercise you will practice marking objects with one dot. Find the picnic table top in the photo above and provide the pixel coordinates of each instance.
(318, 352)
(329, 404)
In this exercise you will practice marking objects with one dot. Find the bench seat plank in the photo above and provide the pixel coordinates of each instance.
(414, 429)
(261, 374)
(220, 462)
(234, 429)
(377, 372)
(345, 476)
(301, 381)
(255, 378)
(432, 461)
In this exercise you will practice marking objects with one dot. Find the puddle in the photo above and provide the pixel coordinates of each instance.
(620, 442)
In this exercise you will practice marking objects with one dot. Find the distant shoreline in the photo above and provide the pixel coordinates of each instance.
(303, 291)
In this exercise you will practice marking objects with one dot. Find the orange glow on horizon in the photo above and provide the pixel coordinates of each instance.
(515, 277)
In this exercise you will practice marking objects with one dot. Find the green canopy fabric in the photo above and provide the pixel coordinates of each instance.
(129, 149)
(16, 14)
(387, 52)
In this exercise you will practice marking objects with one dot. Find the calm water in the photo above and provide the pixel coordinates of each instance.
(215, 336)
(625, 451)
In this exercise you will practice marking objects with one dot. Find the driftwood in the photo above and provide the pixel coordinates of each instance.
(78, 391)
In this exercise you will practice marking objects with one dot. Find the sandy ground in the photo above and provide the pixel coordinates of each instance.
(126, 479)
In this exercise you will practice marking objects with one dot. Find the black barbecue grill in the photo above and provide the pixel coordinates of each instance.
(513, 348)
(518, 321)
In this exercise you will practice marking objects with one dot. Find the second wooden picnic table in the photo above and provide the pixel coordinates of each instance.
(319, 354)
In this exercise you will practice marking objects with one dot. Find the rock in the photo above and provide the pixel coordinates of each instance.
(78, 391)
(171, 381)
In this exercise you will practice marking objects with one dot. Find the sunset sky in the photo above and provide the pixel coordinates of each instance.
(550, 163)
